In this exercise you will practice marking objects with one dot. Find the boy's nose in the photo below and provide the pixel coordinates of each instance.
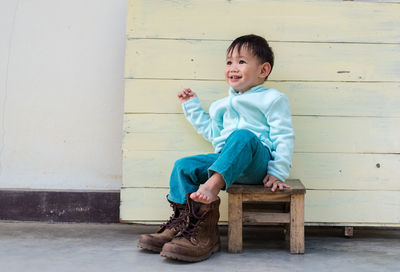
(234, 68)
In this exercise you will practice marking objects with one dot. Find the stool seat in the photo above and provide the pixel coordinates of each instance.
(239, 194)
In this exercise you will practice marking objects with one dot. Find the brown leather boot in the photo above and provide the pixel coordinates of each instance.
(167, 231)
(200, 238)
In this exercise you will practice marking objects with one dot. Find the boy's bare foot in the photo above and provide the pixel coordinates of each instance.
(204, 195)
(208, 192)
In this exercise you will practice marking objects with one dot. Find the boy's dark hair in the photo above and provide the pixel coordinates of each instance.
(255, 44)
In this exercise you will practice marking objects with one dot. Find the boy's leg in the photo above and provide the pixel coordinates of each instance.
(243, 154)
(244, 159)
(187, 175)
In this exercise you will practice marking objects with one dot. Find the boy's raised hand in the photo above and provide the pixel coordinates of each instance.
(186, 95)
(274, 182)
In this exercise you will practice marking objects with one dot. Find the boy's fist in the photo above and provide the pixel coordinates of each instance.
(186, 95)
(274, 182)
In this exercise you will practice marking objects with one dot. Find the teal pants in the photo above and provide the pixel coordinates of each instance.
(243, 159)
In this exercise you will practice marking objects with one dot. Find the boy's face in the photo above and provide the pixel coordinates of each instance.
(244, 71)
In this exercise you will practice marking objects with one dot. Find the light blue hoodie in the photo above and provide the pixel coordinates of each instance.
(265, 112)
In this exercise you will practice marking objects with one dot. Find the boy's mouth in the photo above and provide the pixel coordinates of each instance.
(234, 78)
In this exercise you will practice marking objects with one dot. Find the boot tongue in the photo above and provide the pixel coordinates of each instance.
(177, 207)
(197, 208)
(198, 211)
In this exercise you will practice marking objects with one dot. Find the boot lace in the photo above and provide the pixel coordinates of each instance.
(189, 229)
(175, 221)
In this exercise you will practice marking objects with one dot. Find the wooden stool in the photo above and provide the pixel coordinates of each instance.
(240, 194)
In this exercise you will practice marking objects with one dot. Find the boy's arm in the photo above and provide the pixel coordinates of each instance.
(196, 115)
(282, 137)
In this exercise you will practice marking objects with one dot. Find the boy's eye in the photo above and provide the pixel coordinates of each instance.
(228, 62)
(242, 62)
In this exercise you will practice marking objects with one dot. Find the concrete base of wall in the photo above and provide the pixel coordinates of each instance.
(60, 206)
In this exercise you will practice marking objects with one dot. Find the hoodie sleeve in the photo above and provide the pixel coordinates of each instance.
(282, 137)
(200, 120)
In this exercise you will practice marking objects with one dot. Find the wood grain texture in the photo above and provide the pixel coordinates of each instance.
(151, 205)
(321, 206)
(297, 224)
(277, 20)
(353, 206)
(184, 59)
(316, 170)
(262, 217)
(162, 132)
(256, 197)
(296, 187)
(306, 98)
(337, 61)
(235, 217)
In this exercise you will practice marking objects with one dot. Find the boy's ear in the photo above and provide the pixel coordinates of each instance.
(265, 69)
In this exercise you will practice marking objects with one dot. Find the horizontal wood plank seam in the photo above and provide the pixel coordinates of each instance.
(369, 225)
(308, 189)
(269, 80)
(303, 152)
(295, 115)
(278, 80)
(270, 41)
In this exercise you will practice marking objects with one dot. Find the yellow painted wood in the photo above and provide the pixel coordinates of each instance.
(183, 59)
(336, 60)
(352, 21)
(327, 171)
(313, 134)
(163, 94)
(150, 204)
(306, 98)
(353, 206)
(368, 207)
(340, 171)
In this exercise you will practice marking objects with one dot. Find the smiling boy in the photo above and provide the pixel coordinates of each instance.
(252, 133)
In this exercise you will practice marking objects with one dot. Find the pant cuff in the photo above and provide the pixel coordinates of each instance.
(212, 171)
(170, 198)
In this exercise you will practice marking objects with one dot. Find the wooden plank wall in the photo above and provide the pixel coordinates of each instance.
(338, 62)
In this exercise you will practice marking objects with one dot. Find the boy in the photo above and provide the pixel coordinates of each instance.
(252, 133)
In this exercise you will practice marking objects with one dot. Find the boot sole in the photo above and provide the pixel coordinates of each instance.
(190, 259)
(149, 247)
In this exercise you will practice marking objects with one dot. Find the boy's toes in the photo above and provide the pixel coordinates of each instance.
(199, 197)
(193, 195)
(196, 196)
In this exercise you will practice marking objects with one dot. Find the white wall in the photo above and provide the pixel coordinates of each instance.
(61, 93)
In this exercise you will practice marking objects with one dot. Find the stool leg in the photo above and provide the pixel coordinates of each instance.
(286, 231)
(287, 226)
(297, 223)
(235, 223)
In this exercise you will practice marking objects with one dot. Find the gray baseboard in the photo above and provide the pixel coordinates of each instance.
(60, 206)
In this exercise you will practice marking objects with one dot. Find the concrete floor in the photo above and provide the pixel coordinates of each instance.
(32, 246)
